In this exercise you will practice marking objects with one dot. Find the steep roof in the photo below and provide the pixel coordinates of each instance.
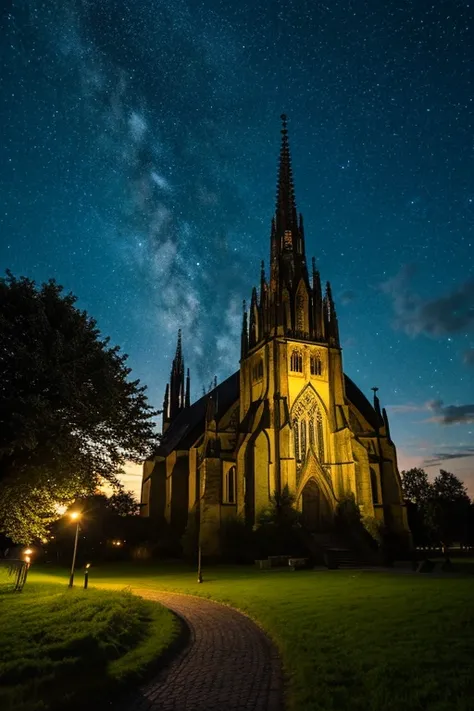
(358, 399)
(189, 424)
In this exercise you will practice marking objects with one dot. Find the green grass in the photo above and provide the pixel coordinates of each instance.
(349, 640)
(60, 648)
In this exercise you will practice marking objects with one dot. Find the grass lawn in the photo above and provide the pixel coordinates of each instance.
(349, 640)
(64, 648)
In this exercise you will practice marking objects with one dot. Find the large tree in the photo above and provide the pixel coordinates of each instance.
(438, 510)
(70, 416)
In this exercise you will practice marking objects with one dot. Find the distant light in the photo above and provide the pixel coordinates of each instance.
(28, 551)
(88, 565)
(75, 515)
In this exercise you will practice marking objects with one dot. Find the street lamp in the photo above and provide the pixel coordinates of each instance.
(75, 516)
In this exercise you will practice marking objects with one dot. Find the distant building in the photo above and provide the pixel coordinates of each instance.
(288, 417)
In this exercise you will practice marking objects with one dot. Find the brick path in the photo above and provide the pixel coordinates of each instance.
(227, 664)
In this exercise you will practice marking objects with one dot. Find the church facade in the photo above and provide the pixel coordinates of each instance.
(289, 417)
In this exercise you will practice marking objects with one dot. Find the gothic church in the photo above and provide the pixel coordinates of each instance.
(288, 417)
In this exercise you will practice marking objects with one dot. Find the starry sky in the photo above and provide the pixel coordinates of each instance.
(138, 159)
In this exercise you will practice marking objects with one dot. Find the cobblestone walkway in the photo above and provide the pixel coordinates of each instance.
(227, 664)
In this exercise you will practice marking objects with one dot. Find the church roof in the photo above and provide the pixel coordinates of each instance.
(358, 399)
(189, 424)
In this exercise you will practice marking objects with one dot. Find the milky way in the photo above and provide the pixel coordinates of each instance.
(138, 155)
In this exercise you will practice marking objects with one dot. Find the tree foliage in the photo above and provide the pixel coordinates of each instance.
(69, 414)
(438, 511)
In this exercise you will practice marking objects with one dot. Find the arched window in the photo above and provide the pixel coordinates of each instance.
(315, 364)
(257, 370)
(296, 362)
(296, 436)
(229, 493)
(303, 440)
(319, 425)
(375, 489)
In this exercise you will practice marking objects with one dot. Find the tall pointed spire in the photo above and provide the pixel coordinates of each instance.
(177, 396)
(286, 216)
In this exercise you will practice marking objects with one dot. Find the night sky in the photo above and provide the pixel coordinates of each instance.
(138, 156)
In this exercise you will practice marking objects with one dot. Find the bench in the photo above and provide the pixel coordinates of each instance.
(298, 563)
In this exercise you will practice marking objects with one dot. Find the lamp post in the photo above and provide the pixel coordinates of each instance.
(75, 516)
(86, 575)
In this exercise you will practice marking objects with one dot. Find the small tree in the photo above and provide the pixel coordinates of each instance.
(69, 414)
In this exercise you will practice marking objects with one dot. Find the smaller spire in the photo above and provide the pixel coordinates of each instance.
(187, 401)
(386, 423)
(377, 404)
(253, 325)
(244, 339)
(263, 284)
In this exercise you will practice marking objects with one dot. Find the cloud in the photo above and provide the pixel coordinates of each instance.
(408, 407)
(456, 453)
(445, 315)
(450, 414)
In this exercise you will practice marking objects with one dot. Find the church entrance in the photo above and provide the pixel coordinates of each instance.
(316, 510)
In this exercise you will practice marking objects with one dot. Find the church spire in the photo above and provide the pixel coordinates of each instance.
(286, 216)
(176, 391)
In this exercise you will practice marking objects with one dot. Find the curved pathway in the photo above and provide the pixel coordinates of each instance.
(227, 664)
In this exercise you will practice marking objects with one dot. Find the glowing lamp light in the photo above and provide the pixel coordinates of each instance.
(75, 515)
(88, 565)
(28, 551)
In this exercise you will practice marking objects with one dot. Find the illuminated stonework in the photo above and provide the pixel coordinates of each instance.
(288, 417)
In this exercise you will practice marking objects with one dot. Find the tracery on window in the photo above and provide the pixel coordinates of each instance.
(296, 362)
(308, 430)
(296, 437)
(315, 364)
(303, 441)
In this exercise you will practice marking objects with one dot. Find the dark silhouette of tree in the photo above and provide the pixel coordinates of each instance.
(416, 486)
(452, 507)
(439, 511)
(69, 414)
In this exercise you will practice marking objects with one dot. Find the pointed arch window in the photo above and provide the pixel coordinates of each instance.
(257, 370)
(229, 493)
(296, 437)
(303, 440)
(296, 361)
(319, 427)
(375, 489)
(315, 364)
